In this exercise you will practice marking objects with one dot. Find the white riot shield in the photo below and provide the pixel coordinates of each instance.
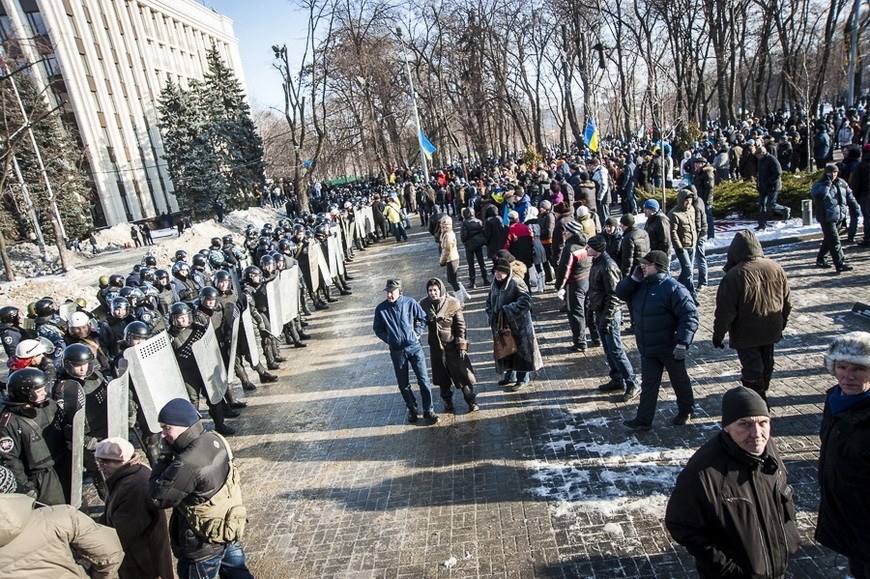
(317, 262)
(235, 315)
(289, 294)
(249, 334)
(237, 284)
(369, 218)
(155, 375)
(273, 300)
(332, 244)
(118, 403)
(359, 222)
(74, 405)
(211, 367)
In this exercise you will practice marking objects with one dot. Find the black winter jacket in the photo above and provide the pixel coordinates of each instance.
(574, 263)
(602, 286)
(664, 313)
(658, 228)
(734, 512)
(844, 469)
(635, 245)
(192, 473)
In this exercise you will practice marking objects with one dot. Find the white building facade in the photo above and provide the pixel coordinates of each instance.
(106, 62)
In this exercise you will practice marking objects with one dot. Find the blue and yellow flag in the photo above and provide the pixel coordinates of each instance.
(591, 135)
(428, 147)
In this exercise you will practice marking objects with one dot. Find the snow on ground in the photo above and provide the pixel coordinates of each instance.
(82, 279)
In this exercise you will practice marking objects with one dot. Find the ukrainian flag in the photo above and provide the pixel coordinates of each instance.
(428, 147)
(591, 135)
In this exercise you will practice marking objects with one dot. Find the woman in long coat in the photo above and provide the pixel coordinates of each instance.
(509, 294)
(448, 347)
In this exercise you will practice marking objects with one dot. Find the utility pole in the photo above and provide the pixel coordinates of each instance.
(414, 106)
(853, 48)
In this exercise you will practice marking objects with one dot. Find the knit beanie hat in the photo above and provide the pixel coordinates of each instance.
(651, 204)
(627, 220)
(8, 484)
(502, 265)
(597, 243)
(853, 348)
(178, 412)
(741, 402)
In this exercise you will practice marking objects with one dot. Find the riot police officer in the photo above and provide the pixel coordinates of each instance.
(32, 443)
(112, 330)
(50, 325)
(11, 331)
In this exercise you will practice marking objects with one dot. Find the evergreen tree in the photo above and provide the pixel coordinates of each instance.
(72, 191)
(234, 137)
(193, 164)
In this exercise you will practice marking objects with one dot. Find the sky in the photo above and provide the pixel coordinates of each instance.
(259, 24)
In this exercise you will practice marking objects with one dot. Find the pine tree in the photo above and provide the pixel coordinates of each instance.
(233, 135)
(72, 191)
(193, 164)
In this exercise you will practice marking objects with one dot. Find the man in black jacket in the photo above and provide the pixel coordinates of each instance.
(732, 507)
(768, 181)
(657, 227)
(195, 477)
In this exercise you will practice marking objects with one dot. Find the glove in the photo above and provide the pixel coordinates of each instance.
(680, 351)
(718, 344)
(561, 294)
(637, 274)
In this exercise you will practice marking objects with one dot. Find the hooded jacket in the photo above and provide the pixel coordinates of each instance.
(658, 229)
(684, 232)
(831, 199)
(512, 297)
(734, 512)
(35, 543)
(753, 301)
(449, 251)
(635, 245)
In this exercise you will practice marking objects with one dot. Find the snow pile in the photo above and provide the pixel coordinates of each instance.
(257, 216)
(115, 237)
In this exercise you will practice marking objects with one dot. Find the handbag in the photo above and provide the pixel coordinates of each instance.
(504, 344)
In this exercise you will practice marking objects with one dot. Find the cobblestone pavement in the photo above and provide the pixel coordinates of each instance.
(544, 482)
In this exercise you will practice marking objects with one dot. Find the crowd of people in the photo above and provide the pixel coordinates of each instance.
(523, 230)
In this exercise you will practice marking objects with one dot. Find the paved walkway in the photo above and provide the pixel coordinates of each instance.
(545, 482)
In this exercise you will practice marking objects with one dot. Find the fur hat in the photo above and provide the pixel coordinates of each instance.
(853, 348)
(741, 402)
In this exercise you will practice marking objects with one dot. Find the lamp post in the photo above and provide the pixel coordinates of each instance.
(414, 107)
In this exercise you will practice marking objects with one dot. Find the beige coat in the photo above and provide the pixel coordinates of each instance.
(35, 542)
(449, 252)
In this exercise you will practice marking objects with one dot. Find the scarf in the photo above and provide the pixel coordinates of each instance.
(840, 402)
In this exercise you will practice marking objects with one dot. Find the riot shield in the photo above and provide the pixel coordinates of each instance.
(273, 299)
(332, 246)
(118, 402)
(211, 367)
(74, 407)
(250, 336)
(64, 310)
(322, 262)
(234, 314)
(237, 284)
(314, 259)
(289, 294)
(155, 375)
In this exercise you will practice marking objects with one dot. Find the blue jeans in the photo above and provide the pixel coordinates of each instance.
(684, 256)
(711, 227)
(399, 231)
(701, 260)
(620, 367)
(651, 369)
(228, 565)
(405, 359)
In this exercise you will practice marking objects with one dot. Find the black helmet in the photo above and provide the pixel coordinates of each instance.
(267, 260)
(136, 268)
(178, 267)
(116, 280)
(149, 261)
(208, 293)
(216, 242)
(321, 232)
(180, 255)
(249, 272)
(136, 296)
(120, 303)
(263, 241)
(77, 355)
(286, 247)
(44, 308)
(25, 383)
(9, 315)
(146, 274)
(280, 260)
(221, 275)
(199, 261)
(161, 274)
(228, 239)
(136, 330)
(177, 310)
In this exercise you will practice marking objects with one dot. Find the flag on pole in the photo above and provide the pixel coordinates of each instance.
(591, 135)
(428, 147)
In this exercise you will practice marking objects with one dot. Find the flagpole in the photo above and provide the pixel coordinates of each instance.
(416, 114)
